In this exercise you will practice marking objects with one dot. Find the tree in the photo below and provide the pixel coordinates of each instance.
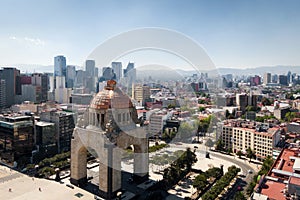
(200, 182)
(239, 196)
(229, 150)
(214, 172)
(227, 113)
(239, 154)
(250, 153)
(190, 158)
(220, 145)
(290, 96)
(209, 143)
(290, 116)
(266, 102)
(251, 108)
(201, 108)
(185, 130)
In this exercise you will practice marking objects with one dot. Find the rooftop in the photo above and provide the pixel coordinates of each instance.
(274, 190)
(280, 174)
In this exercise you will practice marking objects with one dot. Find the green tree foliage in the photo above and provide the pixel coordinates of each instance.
(214, 172)
(200, 182)
(250, 153)
(157, 147)
(251, 108)
(239, 154)
(290, 116)
(180, 167)
(185, 130)
(239, 196)
(267, 102)
(266, 117)
(220, 146)
(203, 124)
(266, 166)
(201, 109)
(219, 186)
(289, 96)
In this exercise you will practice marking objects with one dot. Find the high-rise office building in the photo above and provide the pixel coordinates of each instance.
(79, 79)
(117, 67)
(60, 66)
(96, 72)
(289, 77)
(90, 67)
(283, 80)
(12, 84)
(90, 75)
(130, 74)
(61, 93)
(42, 81)
(108, 74)
(275, 78)
(267, 78)
(2, 93)
(70, 76)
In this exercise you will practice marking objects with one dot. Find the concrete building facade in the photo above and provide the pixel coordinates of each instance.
(241, 135)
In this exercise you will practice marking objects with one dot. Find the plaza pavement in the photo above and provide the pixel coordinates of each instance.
(24, 187)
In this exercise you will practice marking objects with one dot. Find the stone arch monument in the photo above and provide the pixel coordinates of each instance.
(108, 127)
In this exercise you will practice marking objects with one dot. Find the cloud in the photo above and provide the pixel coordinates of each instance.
(34, 41)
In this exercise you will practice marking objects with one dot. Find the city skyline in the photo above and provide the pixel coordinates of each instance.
(234, 34)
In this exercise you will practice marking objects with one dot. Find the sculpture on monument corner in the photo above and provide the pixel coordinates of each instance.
(108, 127)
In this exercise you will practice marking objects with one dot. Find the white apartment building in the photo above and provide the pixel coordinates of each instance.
(240, 137)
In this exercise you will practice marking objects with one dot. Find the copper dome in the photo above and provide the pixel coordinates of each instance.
(111, 97)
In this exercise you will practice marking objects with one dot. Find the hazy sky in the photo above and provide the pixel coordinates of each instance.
(234, 33)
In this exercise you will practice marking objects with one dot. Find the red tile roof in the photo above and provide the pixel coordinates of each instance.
(274, 190)
(295, 180)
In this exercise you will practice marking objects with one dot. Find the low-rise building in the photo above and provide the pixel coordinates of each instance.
(283, 180)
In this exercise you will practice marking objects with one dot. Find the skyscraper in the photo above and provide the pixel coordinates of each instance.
(41, 80)
(2, 93)
(70, 76)
(108, 74)
(12, 84)
(283, 80)
(60, 66)
(130, 74)
(90, 67)
(267, 78)
(90, 75)
(117, 67)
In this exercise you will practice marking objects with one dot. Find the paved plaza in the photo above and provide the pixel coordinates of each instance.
(24, 187)
(17, 186)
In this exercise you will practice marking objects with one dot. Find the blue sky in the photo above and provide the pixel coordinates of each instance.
(234, 33)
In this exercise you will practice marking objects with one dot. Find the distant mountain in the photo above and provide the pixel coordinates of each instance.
(164, 74)
(30, 68)
(279, 69)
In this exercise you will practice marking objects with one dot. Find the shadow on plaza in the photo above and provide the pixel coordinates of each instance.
(153, 192)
